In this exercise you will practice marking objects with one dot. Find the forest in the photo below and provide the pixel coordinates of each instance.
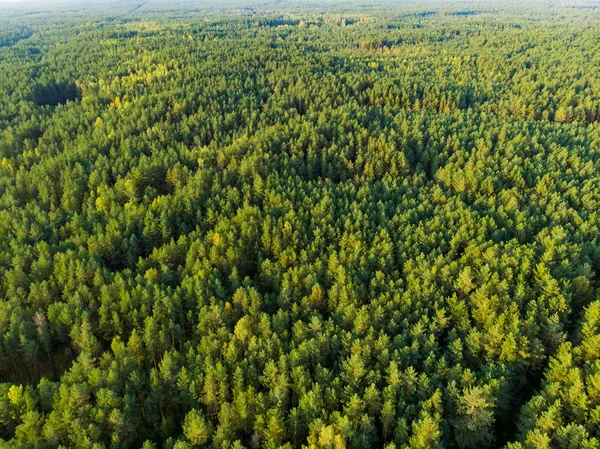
(300, 225)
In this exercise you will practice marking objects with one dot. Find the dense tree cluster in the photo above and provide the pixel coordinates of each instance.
(300, 228)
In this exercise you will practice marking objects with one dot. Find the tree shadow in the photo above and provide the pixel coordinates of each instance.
(55, 93)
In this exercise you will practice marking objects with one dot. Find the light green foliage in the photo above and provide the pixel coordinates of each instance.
(196, 429)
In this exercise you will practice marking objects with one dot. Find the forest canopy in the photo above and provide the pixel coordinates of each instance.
(298, 225)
